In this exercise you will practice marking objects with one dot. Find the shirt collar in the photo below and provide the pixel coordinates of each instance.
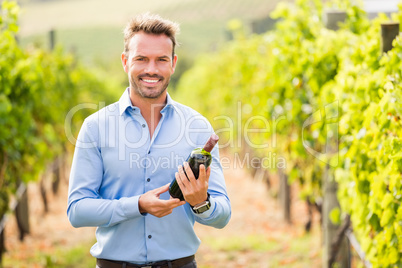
(170, 104)
(125, 102)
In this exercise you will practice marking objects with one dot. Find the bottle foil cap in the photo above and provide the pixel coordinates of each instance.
(212, 141)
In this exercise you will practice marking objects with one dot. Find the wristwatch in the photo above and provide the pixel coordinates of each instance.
(202, 207)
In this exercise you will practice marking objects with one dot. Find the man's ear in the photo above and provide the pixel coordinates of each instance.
(174, 63)
(124, 62)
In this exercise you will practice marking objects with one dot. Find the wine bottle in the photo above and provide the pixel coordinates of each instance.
(197, 157)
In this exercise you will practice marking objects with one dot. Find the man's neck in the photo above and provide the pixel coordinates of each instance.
(150, 108)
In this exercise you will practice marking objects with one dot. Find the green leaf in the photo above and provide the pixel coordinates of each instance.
(335, 216)
(393, 255)
(386, 217)
(5, 105)
(388, 198)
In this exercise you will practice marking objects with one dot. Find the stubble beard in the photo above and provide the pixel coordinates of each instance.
(146, 92)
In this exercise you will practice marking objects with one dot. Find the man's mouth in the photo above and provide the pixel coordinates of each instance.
(151, 81)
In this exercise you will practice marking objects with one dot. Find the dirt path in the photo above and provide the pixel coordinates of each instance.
(49, 232)
(256, 236)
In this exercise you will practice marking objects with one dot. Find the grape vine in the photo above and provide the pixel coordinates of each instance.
(37, 90)
(335, 100)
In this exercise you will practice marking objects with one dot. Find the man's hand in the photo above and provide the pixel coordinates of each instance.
(150, 202)
(194, 191)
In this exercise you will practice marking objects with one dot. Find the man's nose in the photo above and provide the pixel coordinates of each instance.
(151, 67)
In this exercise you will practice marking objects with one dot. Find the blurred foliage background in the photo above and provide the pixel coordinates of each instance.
(228, 65)
(93, 29)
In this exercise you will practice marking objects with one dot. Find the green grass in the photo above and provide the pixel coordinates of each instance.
(76, 257)
(288, 251)
(241, 243)
(61, 257)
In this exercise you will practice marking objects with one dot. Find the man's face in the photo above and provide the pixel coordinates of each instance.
(149, 64)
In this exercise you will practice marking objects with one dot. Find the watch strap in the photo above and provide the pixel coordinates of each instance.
(202, 207)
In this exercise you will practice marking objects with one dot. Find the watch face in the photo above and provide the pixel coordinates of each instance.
(202, 208)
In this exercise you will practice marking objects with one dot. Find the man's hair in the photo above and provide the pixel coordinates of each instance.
(150, 24)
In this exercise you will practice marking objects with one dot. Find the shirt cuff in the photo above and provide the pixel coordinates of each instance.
(130, 206)
(208, 213)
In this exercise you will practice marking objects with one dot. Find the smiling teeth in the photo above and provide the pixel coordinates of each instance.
(150, 81)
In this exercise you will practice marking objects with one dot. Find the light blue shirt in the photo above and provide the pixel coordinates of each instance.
(116, 161)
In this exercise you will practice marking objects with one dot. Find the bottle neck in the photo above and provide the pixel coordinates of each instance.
(210, 144)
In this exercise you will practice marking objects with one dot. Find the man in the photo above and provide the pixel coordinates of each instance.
(128, 153)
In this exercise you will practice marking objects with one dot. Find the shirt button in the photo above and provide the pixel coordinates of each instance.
(143, 125)
(148, 180)
(149, 236)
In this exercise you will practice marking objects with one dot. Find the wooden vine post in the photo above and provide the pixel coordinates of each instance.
(22, 214)
(389, 31)
(333, 17)
(336, 247)
(52, 39)
(284, 195)
(262, 25)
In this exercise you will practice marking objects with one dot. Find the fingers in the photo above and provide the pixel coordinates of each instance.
(161, 189)
(176, 203)
(189, 172)
(173, 202)
(208, 173)
(204, 174)
(166, 207)
(180, 181)
(150, 203)
(170, 203)
(194, 191)
(182, 177)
